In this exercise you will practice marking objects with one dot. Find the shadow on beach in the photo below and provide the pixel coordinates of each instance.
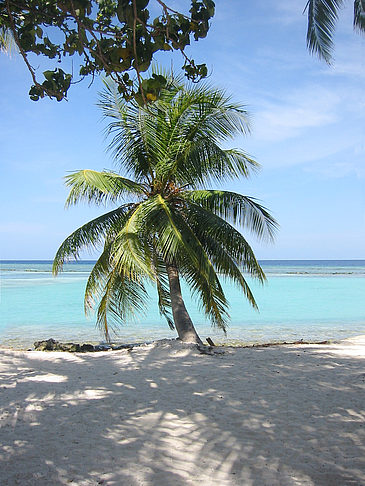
(274, 416)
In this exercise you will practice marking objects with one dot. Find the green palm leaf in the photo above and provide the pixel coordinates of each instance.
(240, 210)
(187, 242)
(226, 266)
(90, 235)
(133, 132)
(121, 301)
(210, 227)
(204, 111)
(322, 17)
(204, 162)
(359, 15)
(131, 253)
(209, 296)
(99, 187)
(163, 291)
(117, 298)
(7, 42)
(98, 278)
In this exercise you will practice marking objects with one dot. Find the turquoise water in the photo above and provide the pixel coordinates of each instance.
(310, 300)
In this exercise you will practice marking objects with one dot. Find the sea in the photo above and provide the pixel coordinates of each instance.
(310, 300)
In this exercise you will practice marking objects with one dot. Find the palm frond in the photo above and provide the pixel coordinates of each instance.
(205, 162)
(7, 42)
(359, 15)
(206, 111)
(241, 210)
(91, 235)
(132, 132)
(199, 117)
(116, 298)
(163, 291)
(99, 187)
(189, 244)
(226, 266)
(98, 278)
(208, 227)
(131, 253)
(322, 18)
(209, 296)
(122, 298)
(164, 302)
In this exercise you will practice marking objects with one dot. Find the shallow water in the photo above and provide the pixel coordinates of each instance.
(310, 300)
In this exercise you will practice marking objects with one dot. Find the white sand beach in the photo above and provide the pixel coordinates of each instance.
(166, 415)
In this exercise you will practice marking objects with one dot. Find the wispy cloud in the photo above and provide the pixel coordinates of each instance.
(349, 59)
(287, 116)
(338, 170)
(348, 68)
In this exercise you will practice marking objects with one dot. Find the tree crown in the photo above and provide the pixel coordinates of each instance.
(163, 216)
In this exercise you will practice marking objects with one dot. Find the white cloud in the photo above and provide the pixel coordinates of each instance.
(349, 60)
(290, 115)
(317, 127)
(339, 169)
(348, 68)
(294, 11)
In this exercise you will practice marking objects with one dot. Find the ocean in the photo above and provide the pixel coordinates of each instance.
(302, 299)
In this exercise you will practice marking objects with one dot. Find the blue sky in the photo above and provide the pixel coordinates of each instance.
(308, 133)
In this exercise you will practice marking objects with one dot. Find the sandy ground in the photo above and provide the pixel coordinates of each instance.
(164, 415)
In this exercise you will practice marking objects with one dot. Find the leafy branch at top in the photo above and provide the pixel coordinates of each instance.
(119, 38)
(112, 37)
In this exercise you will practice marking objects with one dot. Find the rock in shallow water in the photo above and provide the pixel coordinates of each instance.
(85, 348)
(53, 345)
(48, 345)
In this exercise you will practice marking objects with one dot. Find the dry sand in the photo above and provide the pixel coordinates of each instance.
(165, 415)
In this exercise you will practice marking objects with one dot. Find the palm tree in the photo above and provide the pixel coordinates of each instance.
(171, 227)
(322, 18)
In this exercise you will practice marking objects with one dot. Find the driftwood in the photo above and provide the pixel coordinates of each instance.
(210, 342)
(210, 350)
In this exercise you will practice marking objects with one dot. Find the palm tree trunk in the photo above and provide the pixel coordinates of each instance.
(184, 325)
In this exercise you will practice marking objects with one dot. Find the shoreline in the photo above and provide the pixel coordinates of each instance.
(118, 345)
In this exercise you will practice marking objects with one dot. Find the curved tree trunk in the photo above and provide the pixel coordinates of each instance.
(184, 325)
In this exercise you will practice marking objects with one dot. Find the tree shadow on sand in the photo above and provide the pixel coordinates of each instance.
(273, 416)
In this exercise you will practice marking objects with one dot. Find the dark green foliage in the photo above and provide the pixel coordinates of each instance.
(118, 38)
(110, 37)
(359, 15)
